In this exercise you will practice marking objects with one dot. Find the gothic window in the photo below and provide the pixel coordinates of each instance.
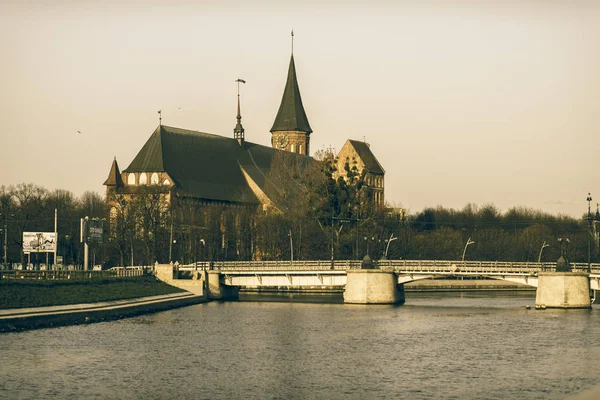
(293, 148)
(154, 179)
(143, 179)
(131, 179)
(300, 149)
(166, 182)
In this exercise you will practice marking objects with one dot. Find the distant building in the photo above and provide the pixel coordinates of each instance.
(212, 169)
(358, 156)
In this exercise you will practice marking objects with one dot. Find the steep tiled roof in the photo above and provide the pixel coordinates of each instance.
(204, 165)
(291, 115)
(366, 155)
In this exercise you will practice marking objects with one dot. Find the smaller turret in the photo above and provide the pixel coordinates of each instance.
(114, 180)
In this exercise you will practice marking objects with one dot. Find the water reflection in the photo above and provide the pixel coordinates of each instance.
(438, 345)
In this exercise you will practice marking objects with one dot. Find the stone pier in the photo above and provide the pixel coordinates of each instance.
(218, 291)
(563, 290)
(372, 286)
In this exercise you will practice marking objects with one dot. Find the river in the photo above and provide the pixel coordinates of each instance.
(436, 346)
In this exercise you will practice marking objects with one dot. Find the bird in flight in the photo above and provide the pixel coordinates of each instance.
(78, 131)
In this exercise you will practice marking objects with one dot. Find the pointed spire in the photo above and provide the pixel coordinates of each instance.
(291, 115)
(238, 131)
(114, 176)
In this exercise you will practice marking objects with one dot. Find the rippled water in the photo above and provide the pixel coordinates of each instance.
(442, 346)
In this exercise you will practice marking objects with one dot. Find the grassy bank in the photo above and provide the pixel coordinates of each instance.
(22, 294)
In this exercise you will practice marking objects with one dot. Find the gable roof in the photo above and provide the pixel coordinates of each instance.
(366, 155)
(206, 166)
(114, 176)
(291, 115)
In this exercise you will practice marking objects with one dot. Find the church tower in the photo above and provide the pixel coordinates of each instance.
(291, 130)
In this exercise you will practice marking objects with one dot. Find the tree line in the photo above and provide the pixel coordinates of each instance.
(26, 207)
(315, 213)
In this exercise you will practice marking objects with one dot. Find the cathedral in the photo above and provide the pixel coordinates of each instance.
(213, 169)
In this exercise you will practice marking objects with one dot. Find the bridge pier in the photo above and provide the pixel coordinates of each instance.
(372, 286)
(563, 290)
(217, 290)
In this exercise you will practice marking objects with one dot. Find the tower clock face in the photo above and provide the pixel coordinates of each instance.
(282, 141)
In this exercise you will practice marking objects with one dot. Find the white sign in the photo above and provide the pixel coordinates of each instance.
(36, 242)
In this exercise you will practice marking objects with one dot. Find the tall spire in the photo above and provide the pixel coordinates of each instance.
(238, 131)
(291, 115)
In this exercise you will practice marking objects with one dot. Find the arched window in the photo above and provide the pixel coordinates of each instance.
(143, 179)
(131, 179)
(154, 179)
(166, 182)
(300, 148)
(293, 148)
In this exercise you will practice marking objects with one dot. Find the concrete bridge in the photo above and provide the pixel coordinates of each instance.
(384, 284)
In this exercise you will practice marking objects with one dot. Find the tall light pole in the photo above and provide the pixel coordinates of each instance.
(171, 240)
(469, 241)
(589, 218)
(390, 240)
(291, 246)
(544, 245)
(5, 240)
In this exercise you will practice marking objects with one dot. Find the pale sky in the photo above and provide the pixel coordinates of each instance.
(461, 101)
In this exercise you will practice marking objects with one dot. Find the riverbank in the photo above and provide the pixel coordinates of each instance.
(42, 293)
(74, 314)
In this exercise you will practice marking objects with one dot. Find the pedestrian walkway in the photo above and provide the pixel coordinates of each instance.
(39, 317)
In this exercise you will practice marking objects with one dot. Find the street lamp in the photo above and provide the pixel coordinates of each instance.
(367, 240)
(590, 219)
(469, 241)
(291, 246)
(390, 240)
(544, 245)
(6, 215)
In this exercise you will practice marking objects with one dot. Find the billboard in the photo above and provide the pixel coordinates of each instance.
(36, 242)
(92, 230)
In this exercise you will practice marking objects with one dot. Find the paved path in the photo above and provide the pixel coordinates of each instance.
(39, 317)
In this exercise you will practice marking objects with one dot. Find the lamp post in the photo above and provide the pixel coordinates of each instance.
(469, 241)
(544, 245)
(5, 237)
(390, 240)
(367, 240)
(171, 240)
(291, 246)
(589, 218)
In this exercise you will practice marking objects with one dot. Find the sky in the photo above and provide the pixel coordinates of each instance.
(489, 101)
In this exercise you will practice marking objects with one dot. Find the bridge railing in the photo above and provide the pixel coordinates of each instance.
(301, 265)
(408, 266)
